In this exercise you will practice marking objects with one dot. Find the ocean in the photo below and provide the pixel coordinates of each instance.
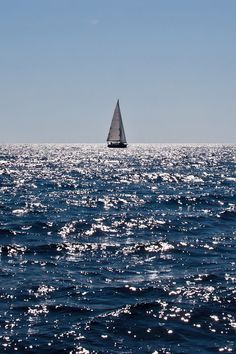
(118, 250)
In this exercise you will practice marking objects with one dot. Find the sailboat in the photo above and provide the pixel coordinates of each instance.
(116, 136)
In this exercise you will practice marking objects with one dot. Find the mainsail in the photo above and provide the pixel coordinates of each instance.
(116, 136)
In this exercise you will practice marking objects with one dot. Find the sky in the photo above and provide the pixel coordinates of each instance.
(64, 64)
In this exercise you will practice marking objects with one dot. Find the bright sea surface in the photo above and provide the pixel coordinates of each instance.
(118, 250)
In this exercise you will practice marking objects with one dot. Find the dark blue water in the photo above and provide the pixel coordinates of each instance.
(117, 251)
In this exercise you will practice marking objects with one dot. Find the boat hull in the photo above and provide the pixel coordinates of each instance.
(117, 145)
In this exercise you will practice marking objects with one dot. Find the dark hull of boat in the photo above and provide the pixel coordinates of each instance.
(117, 145)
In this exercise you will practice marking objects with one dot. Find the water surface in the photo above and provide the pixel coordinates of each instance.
(117, 251)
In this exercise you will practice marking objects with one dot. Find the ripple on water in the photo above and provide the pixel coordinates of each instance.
(107, 251)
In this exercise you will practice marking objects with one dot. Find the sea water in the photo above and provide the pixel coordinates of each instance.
(117, 250)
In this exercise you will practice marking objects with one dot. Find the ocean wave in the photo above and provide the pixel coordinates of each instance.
(106, 251)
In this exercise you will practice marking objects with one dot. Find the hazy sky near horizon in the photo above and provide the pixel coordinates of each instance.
(64, 63)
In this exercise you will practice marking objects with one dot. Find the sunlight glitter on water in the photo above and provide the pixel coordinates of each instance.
(117, 251)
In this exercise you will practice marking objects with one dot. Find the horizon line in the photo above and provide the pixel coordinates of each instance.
(132, 143)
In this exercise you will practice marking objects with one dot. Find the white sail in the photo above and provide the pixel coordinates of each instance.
(117, 133)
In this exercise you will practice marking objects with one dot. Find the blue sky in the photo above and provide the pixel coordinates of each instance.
(64, 63)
